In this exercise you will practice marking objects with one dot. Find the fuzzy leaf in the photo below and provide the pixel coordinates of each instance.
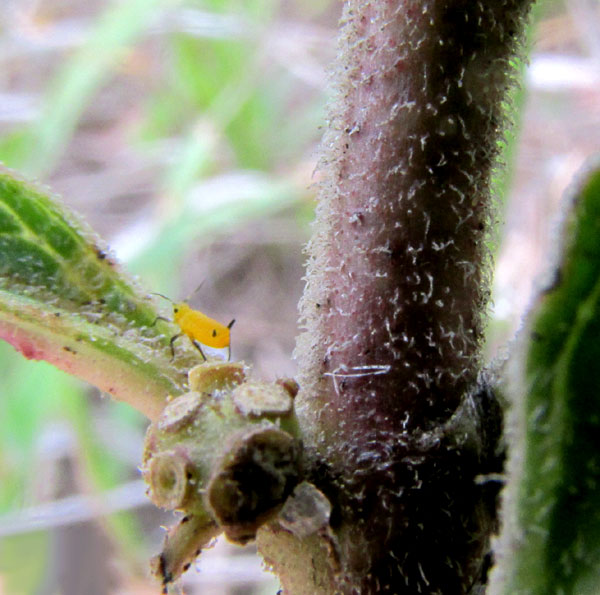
(556, 543)
(63, 299)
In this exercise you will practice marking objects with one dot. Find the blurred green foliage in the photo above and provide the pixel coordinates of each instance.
(223, 103)
(557, 540)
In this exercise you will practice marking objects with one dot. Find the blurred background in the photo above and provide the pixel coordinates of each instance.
(186, 132)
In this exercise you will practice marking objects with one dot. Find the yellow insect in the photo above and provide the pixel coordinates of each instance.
(198, 327)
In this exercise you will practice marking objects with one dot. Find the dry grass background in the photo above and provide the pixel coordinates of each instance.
(205, 125)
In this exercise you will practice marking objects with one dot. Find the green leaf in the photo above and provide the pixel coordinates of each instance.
(64, 299)
(555, 500)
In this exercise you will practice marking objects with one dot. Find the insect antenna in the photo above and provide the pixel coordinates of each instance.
(189, 297)
(162, 317)
(162, 296)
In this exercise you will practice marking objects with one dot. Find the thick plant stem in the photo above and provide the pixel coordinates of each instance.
(397, 288)
(398, 270)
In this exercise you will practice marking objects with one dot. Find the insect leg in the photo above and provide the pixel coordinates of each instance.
(229, 346)
(160, 318)
(197, 346)
(171, 344)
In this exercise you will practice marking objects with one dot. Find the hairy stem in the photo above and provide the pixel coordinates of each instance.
(398, 283)
(397, 279)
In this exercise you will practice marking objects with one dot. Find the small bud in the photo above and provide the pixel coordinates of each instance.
(211, 376)
(252, 480)
(306, 511)
(168, 476)
(255, 399)
(180, 411)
